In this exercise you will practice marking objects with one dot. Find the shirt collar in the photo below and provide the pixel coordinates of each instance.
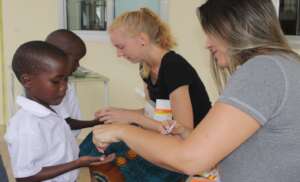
(33, 107)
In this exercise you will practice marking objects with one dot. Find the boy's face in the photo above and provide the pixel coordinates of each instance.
(49, 87)
(74, 54)
(74, 59)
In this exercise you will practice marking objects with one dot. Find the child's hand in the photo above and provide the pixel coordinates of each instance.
(86, 161)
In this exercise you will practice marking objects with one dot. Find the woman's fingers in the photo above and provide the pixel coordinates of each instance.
(99, 143)
(102, 147)
(167, 127)
(163, 128)
(105, 134)
(105, 118)
(101, 112)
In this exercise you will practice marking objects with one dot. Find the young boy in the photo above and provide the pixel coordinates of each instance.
(75, 49)
(40, 143)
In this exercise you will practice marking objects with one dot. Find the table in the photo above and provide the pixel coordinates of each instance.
(85, 75)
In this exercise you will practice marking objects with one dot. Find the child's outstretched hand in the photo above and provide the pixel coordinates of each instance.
(86, 161)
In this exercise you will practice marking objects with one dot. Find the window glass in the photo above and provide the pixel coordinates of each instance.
(289, 16)
(86, 14)
(95, 15)
(122, 6)
(89, 19)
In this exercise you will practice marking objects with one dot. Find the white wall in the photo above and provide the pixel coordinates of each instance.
(23, 21)
(191, 40)
(2, 78)
(34, 19)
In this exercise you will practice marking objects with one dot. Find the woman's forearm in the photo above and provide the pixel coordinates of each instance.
(147, 123)
(138, 117)
(141, 111)
(165, 151)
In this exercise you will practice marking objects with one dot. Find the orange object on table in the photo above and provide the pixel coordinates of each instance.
(106, 172)
(202, 180)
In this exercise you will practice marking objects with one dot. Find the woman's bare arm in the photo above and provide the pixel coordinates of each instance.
(223, 130)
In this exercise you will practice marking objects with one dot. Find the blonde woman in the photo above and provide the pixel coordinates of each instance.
(142, 37)
(253, 130)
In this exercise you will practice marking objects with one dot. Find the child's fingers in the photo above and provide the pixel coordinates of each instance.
(104, 159)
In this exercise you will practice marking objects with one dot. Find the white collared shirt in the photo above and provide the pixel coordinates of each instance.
(69, 106)
(38, 137)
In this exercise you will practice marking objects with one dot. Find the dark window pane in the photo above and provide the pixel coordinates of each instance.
(289, 16)
(86, 14)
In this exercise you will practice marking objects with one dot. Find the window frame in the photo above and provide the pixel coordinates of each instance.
(102, 36)
(293, 40)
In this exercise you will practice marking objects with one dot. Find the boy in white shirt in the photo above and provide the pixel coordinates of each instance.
(40, 143)
(75, 49)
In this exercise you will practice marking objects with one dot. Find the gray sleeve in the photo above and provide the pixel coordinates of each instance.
(257, 88)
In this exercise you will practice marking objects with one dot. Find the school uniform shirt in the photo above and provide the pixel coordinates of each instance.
(69, 106)
(36, 138)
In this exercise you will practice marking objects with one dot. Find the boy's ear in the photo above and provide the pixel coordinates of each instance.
(26, 80)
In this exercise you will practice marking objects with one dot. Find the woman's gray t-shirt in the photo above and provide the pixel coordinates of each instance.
(267, 87)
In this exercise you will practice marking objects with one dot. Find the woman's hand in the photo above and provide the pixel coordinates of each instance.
(174, 128)
(103, 135)
(116, 115)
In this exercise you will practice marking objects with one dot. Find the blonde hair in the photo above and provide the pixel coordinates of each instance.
(146, 21)
(247, 27)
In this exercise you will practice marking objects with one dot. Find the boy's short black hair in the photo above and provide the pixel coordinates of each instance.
(33, 57)
(66, 40)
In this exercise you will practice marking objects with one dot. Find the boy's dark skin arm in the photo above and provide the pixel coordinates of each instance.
(79, 124)
(53, 171)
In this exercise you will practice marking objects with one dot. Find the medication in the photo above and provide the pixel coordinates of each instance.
(163, 110)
